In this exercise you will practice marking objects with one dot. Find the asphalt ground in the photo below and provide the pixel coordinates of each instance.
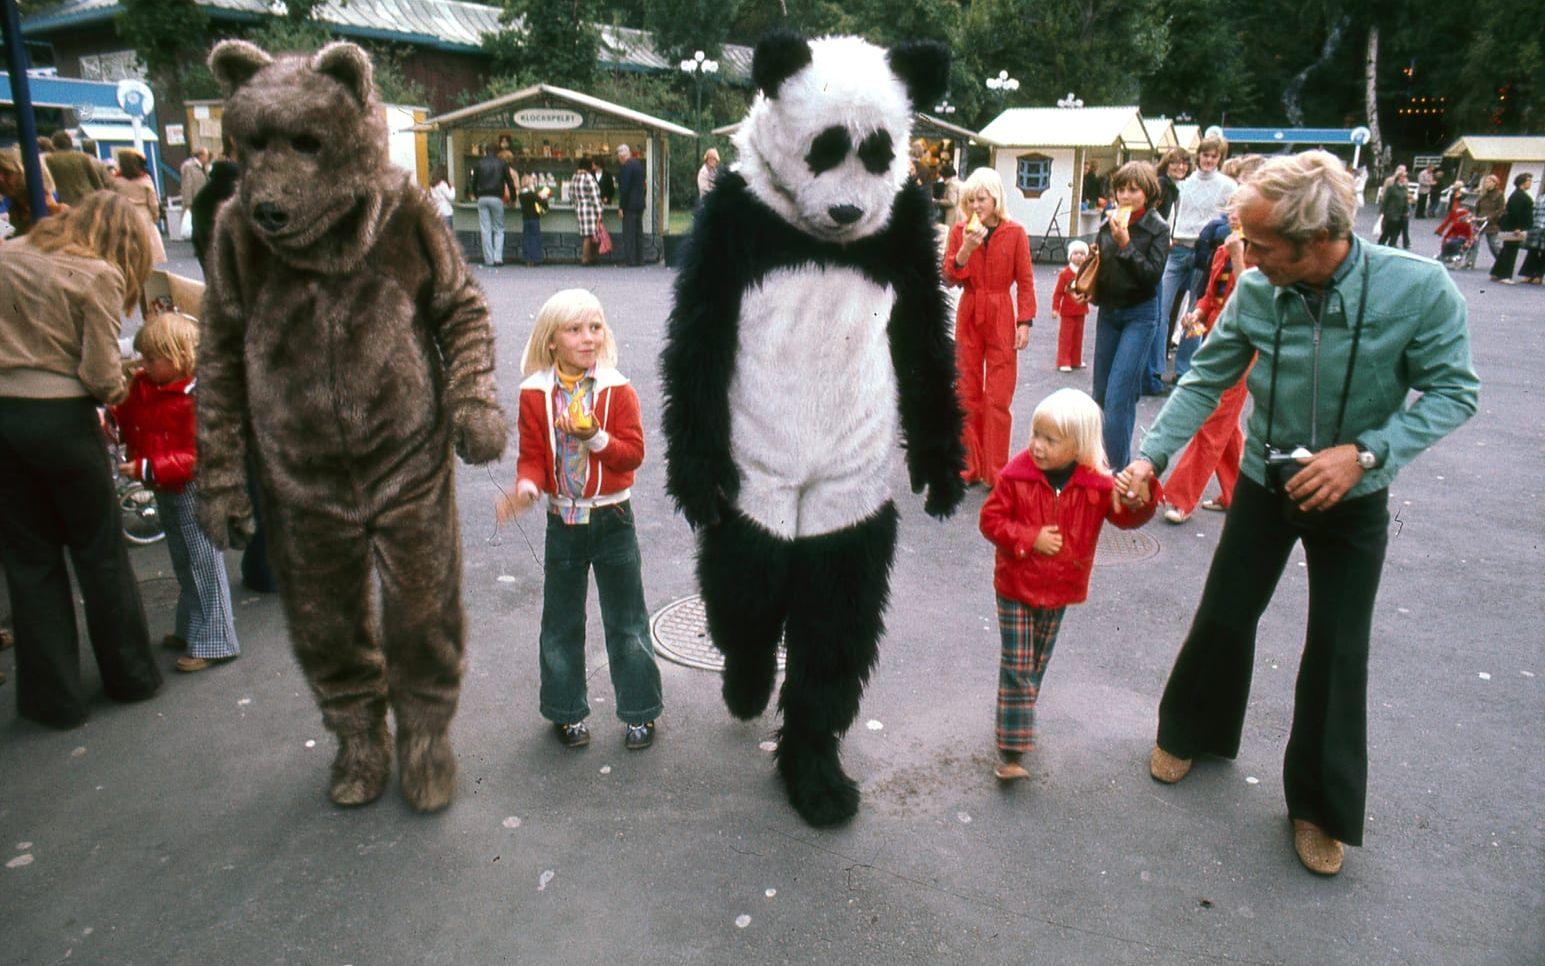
(195, 827)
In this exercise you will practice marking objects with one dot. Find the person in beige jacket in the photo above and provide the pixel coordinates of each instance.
(134, 182)
(68, 284)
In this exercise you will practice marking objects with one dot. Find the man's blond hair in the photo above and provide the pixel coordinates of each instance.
(1309, 193)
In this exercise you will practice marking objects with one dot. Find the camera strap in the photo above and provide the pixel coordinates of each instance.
(1346, 386)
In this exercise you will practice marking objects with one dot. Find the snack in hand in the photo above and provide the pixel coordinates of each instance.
(1122, 215)
(578, 417)
(975, 224)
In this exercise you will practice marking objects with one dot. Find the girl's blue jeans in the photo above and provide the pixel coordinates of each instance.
(1122, 341)
(609, 546)
(1177, 276)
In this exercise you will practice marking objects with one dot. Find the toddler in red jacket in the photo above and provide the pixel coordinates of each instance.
(156, 424)
(1070, 310)
(1044, 518)
(581, 439)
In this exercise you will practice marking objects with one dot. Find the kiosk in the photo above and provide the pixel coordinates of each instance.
(546, 130)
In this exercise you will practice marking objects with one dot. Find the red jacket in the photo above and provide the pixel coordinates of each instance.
(1001, 261)
(615, 452)
(1063, 303)
(1220, 285)
(157, 427)
(1023, 502)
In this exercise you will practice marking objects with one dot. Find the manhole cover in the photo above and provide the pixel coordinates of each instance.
(680, 632)
(1118, 547)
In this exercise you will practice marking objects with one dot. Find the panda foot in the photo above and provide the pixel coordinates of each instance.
(747, 687)
(428, 770)
(817, 787)
(361, 767)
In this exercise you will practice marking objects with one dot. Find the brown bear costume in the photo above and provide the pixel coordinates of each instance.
(347, 346)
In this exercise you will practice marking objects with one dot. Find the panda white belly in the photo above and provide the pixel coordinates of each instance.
(813, 400)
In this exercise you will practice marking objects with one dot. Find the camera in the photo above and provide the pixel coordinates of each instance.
(1282, 465)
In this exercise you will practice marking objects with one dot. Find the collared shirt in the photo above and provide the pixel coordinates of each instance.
(572, 455)
(1415, 336)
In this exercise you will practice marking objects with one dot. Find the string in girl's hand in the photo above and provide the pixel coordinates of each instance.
(494, 539)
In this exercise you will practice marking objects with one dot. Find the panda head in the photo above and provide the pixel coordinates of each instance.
(825, 142)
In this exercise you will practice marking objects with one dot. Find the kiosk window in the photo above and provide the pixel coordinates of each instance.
(1034, 173)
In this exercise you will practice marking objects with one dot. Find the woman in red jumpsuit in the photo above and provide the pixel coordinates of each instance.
(987, 252)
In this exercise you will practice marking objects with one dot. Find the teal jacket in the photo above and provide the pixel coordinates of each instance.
(1415, 336)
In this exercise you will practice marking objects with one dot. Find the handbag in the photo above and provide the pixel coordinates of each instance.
(1083, 284)
(603, 239)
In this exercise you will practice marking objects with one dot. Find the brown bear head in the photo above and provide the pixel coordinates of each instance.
(311, 141)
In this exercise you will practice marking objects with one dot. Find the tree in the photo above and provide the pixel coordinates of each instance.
(1204, 73)
(1503, 65)
(555, 41)
(680, 27)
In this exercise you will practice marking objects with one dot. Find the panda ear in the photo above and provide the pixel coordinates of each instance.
(233, 62)
(348, 65)
(779, 55)
(924, 66)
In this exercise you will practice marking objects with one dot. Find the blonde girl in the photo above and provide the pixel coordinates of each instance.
(1044, 520)
(581, 439)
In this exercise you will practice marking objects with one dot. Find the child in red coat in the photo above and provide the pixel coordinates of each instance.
(1044, 518)
(156, 423)
(581, 438)
(1070, 310)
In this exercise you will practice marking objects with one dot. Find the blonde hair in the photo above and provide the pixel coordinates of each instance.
(171, 336)
(107, 226)
(1309, 193)
(1077, 417)
(983, 179)
(11, 166)
(1074, 247)
(569, 305)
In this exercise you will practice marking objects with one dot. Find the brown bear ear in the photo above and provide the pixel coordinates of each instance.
(233, 63)
(348, 65)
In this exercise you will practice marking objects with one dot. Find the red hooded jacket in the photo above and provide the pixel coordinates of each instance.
(613, 455)
(1023, 502)
(157, 426)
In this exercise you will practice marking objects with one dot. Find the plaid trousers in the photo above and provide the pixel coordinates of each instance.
(1029, 634)
(204, 614)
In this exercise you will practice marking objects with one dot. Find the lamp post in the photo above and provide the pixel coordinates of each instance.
(1003, 84)
(698, 66)
(944, 108)
(1070, 102)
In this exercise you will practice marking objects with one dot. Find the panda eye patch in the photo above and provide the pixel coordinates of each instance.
(828, 149)
(876, 153)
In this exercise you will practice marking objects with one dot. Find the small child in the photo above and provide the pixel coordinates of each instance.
(581, 439)
(156, 422)
(1071, 310)
(1044, 518)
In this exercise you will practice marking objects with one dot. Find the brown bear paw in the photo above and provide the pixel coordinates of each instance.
(428, 768)
(481, 433)
(361, 768)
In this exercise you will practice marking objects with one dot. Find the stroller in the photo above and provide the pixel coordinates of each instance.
(1460, 234)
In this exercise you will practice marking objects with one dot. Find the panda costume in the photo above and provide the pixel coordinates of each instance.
(808, 314)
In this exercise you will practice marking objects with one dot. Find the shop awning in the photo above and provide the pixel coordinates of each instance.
(468, 114)
(1288, 135)
(1069, 127)
(1161, 131)
(1503, 148)
(116, 133)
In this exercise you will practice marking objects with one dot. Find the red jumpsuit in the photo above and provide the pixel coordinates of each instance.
(984, 340)
(1218, 444)
(1070, 314)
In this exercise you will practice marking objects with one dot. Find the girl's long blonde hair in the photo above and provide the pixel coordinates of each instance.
(1076, 416)
(569, 305)
(106, 226)
(983, 179)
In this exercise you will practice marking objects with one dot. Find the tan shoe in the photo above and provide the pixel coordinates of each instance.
(1166, 768)
(1009, 771)
(1319, 853)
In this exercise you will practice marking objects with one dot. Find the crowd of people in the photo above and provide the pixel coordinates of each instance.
(1296, 474)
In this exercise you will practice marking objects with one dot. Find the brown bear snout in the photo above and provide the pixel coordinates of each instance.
(269, 216)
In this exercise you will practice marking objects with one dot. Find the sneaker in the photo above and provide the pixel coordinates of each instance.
(1214, 506)
(574, 735)
(1064, 368)
(1176, 516)
(1009, 771)
(639, 736)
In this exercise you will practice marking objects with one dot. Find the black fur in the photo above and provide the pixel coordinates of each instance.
(924, 66)
(828, 149)
(735, 242)
(779, 55)
(876, 152)
(743, 572)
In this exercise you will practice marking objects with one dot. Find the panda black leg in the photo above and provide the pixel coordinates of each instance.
(838, 590)
(743, 573)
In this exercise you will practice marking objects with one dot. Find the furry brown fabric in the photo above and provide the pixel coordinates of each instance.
(345, 342)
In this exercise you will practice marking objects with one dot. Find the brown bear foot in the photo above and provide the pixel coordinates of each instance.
(428, 768)
(361, 768)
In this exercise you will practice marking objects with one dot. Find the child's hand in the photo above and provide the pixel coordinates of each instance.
(1049, 541)
(509, 506)
(127, 470)
(566, 425)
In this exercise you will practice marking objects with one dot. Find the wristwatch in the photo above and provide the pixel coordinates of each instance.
(1365, 456)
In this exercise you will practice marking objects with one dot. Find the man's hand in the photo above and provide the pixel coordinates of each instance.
(1327, 476)
(1132, 483)
(1048, 542)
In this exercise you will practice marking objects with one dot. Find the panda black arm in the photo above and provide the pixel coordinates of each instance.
(924, 357)
(698, 360)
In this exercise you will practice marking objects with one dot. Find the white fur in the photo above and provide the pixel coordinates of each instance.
(850, 83)
(813, 401)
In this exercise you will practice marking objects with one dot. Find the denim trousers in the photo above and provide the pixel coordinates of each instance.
(1122, 338)
(1177, 277)
(490, 224)
(609, 545)
(531, 240)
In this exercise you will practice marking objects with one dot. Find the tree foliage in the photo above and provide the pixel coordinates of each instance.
(555, 41)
